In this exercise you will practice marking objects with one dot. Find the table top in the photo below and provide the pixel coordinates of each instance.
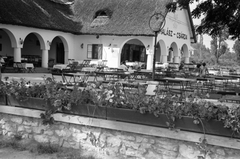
(74, 74)
(175, 80)
(113, 73)
(220, 77)
(60, 66)
(25, 65)
(88, 69)
(204, 79)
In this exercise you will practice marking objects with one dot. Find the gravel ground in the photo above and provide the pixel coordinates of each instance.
(9, 153)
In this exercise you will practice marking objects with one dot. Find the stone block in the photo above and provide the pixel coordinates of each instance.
(112, 151)
(220, 152)
(10, 127)
(131, 144)
(113, 141)
(41, 138)
(122, 149)
(146, 145)
(4, 132)
(188, 151)
(63, 133)
(79, 136)
(74, 130)
(3, 121)
(48, 132)
(153, 155)
(126, 137)
(20, 128)
(53, 140)
(141, 139)
(103, 139)
(25, 136)
(17, 120)
(131, 152)
(166, 145)
(30, 122)
(28, 129)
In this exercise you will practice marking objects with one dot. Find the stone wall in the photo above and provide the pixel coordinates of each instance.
(113, 143)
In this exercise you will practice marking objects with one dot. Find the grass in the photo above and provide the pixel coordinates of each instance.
(32, 146)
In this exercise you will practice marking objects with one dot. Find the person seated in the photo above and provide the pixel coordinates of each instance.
(124, 66)
(204, 70)
(197, 70)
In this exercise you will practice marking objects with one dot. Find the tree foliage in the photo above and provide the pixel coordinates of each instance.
(236, 48)
(218, 48)
(218, 14)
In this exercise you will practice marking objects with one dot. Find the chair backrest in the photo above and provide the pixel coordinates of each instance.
(86, 63)
(19, 65)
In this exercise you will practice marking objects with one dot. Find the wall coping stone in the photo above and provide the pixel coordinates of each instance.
(127, 127)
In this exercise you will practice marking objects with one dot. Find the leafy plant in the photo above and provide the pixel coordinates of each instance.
(22, 89)
(3, 88)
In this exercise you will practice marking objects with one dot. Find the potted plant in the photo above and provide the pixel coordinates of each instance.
(75, 101)
(191, 113)
(3, 90)
(24, 94)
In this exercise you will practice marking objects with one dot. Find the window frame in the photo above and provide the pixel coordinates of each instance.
(91, 51)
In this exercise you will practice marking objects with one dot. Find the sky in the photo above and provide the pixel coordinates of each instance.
(207, 39)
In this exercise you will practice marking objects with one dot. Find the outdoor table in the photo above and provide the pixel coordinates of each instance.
(177, 84)
(29, 67)
(142, 75)
(61, 66)
(112, 75)
(220, 78)
(226, 92)
(231, 98)
(68, 77)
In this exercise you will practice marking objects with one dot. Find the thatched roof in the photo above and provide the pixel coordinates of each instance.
(44, 14)
(126, 17)
(96, 17)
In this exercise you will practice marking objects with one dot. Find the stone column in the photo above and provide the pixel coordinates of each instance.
(164, 59)
(149, 60)
(176, 59)
(186, 60)
(45, 58)
(17, 54)
(66, 56)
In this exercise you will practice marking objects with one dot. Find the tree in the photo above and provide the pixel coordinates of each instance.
(206, 55)
(218, 48)
(236, 48)
(218, 14)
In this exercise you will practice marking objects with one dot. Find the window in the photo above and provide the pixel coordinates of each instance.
(94, 51)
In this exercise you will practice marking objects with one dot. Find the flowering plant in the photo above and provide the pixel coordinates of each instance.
(22, 89)
(3, 88)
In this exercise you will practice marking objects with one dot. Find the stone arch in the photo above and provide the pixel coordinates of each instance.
(175, 49)
(173, 53)
(58, 52)
(40, 38)
(9, 44)
(161, 51)
(184, 53)
(33, 44)
(134, 50)
(11, 36)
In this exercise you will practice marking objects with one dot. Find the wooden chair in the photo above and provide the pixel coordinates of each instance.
(56, 74)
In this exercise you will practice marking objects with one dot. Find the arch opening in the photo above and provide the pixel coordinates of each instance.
(134, 52)
(57, 52)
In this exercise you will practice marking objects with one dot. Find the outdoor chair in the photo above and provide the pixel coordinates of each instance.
(57, 74)
(18, 67)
